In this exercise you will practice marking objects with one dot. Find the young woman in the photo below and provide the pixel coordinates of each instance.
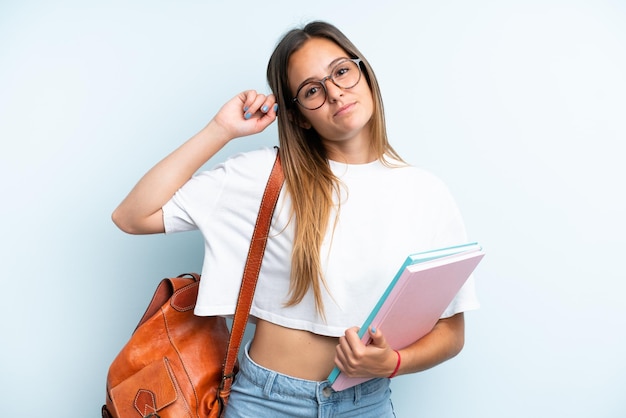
(349, 213)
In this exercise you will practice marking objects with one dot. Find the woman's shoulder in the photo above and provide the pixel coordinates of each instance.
(252, 163)
(243, 168)
(413, 173)
(261, 156)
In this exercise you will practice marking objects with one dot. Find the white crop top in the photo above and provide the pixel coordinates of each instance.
(386, 213)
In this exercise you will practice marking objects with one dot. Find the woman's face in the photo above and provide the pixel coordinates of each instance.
(344, 117)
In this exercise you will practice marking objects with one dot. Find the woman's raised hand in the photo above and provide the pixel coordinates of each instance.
(247, 113)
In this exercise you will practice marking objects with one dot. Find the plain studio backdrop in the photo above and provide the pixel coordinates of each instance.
(520, 106)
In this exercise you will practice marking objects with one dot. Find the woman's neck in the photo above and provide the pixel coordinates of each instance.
(355, 151)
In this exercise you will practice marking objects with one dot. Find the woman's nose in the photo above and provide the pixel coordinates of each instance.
(332, 90)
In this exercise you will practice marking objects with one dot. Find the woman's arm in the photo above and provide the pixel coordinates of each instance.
(140, 212)
(378, 359)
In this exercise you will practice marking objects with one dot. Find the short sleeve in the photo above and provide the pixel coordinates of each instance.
(194, 201)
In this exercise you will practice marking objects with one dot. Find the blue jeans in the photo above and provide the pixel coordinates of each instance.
(259, 392)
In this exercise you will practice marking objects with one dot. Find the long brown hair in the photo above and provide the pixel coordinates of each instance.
(308, 177)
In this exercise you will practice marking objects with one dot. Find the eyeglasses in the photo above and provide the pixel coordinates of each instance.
(312, 94)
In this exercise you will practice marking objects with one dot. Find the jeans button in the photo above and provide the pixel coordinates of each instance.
(327, 391)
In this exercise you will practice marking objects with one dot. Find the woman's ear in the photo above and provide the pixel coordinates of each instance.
(296, 117)
(304, 124)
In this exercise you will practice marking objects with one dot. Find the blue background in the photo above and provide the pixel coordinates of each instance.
(518, 105)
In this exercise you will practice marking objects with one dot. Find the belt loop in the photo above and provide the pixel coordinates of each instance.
(357, 394)
(267, 388)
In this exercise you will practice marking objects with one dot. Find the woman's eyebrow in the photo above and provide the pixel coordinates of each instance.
(330, 66)
(335, 61)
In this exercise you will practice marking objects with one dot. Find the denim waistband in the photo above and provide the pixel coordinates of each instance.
(274, 382)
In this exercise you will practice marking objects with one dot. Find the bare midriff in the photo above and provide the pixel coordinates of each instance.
(296, 353)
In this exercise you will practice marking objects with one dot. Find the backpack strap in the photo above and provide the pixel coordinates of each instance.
(250, 276)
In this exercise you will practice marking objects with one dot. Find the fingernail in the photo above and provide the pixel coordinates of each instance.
(373, 330)
(276, 107)
(245, 109)
(264, 109)
(248, 115)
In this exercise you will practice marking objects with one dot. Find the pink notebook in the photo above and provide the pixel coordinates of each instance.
(416, 298)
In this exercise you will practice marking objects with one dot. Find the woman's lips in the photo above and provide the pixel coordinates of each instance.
(344, 109)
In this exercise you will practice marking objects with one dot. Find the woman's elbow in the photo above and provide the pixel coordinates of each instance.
(457, 345)
(132, 224)
(124, 221)
(121, 221)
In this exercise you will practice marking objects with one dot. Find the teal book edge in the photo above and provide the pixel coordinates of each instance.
(415, 258)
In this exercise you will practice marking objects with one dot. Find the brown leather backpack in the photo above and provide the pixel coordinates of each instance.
(176, 364)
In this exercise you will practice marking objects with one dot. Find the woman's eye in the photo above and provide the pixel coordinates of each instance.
(311, 91)
(342, 71)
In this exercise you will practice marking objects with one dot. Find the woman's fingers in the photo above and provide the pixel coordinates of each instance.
(255, 103)
(247, 113)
